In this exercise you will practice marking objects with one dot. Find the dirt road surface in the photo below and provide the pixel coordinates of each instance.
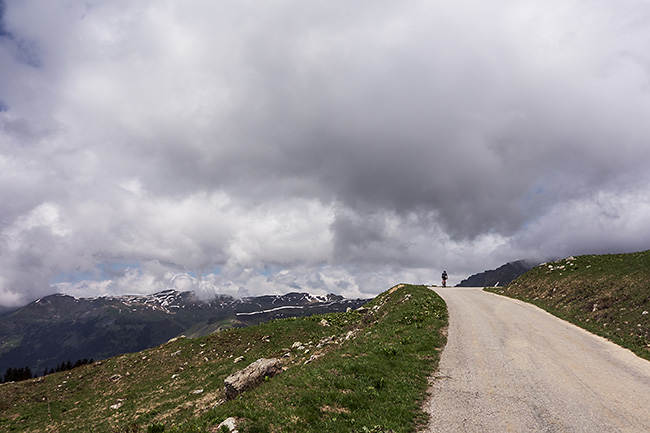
(511, 367)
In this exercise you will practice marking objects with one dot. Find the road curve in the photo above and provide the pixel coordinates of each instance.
(511, 367)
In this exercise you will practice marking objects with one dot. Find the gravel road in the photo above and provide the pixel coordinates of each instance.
(511, 367)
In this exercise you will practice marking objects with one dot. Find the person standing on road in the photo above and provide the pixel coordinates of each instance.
(444, 278)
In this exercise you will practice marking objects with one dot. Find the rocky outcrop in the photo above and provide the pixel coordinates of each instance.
(250, 376)
(230, 424)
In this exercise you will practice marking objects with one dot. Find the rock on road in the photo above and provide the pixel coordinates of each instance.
(511, 367)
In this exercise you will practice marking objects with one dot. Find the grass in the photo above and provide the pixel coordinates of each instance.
(608, 295)
(360, 371)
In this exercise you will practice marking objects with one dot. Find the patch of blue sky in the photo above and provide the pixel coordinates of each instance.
(102, 272)
(112, 269)
(216, 271)
(269, 270)
(74, 277)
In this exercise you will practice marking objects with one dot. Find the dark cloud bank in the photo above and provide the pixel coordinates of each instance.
(239, 147)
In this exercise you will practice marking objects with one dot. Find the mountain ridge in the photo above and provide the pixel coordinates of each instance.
(500, 276)
(60, 327)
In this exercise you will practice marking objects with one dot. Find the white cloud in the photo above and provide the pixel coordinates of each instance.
(610, 221)
(322, 145)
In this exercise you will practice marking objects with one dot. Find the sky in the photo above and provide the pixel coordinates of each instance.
(247, 147)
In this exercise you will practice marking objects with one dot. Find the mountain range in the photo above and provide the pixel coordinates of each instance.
(59, 328)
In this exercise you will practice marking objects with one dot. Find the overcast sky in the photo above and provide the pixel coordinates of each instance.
(253, 147)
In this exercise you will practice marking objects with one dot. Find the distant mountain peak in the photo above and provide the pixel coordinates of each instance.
(165, 300)
(59, 327)
(502, 276)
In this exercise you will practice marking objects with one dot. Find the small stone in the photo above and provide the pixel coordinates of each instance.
(312, 358)
(326, 340)
(230, 423)
(197, 391)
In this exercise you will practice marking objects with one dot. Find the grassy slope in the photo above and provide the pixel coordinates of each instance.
(608, 295)
(373, 381)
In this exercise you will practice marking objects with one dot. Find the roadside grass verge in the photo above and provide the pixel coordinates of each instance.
(608, 295)
(360, 371)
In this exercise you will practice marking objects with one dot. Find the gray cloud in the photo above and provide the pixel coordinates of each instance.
(248, 148)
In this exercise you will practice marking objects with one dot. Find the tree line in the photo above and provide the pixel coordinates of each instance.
(25, 373)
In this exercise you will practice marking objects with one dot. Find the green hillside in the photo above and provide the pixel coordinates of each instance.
(360, 371)
(608, 295)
